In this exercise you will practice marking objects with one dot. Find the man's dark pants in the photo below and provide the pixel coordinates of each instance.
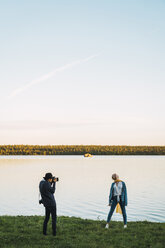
(48, 211)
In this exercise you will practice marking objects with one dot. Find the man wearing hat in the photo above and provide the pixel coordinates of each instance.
(47, 190)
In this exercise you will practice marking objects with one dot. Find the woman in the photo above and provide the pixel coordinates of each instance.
(118, 194)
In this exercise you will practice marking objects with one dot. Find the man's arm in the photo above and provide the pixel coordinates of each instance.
(52, 188)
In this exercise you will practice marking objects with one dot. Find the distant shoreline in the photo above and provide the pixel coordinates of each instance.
(80, 150)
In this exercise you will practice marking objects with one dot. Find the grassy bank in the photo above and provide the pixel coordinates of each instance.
(74, 232)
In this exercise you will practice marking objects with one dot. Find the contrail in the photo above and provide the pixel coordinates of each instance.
(49, 75)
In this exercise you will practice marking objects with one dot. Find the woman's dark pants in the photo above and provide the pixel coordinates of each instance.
(113, 206)
(48, 211)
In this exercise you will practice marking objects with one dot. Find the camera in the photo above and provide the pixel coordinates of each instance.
(40, 201)
(53, 178)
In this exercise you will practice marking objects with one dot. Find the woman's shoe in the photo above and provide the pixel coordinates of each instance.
(107, 226)
(125, 226)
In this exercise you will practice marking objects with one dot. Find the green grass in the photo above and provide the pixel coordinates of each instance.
(22, 231)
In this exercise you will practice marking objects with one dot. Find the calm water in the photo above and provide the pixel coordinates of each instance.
(84, 184)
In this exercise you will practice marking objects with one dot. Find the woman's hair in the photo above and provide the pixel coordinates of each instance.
(115, 176)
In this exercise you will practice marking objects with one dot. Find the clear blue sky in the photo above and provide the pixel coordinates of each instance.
(82, 72)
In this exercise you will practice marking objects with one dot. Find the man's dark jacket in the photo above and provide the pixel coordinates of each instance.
(47, 193)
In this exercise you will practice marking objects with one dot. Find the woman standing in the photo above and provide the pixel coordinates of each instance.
(118, 194)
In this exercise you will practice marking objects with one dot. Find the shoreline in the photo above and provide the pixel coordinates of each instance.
(65, 155)
(83, 219)
(47, 150)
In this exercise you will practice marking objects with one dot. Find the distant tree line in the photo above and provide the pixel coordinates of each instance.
(80, 150)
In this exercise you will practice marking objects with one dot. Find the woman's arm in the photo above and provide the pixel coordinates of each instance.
(110, 194)
(125, 194)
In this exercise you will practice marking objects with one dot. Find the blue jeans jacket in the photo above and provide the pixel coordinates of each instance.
(123, 194)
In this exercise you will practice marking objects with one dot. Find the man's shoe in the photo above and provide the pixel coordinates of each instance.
(107, 226)
(125, 226)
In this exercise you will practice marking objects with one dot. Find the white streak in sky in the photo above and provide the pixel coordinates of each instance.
(49, 75)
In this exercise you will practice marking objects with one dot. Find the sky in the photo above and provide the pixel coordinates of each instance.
(82, 72)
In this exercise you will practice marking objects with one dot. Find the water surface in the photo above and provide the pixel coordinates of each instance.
(84, 185)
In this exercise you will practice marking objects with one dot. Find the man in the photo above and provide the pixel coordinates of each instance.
(47, 190)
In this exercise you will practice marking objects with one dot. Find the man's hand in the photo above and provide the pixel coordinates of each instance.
(55, 180)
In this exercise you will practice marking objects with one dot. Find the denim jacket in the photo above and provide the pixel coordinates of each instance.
(123, 194)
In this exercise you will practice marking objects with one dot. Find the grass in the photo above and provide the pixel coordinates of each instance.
(23, 231)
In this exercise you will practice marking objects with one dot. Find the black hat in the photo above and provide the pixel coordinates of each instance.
(48, 176)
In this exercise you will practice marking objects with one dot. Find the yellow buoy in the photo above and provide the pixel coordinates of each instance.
(87, 155)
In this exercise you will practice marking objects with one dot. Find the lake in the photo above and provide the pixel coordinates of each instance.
(84, 184)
